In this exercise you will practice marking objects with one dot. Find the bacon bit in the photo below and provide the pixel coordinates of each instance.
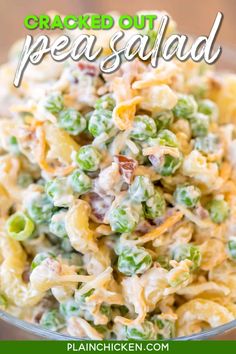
(214, 83)
(99, 206)
(201, 212)
(205, 224)
(88, 69)
(26, 275)
(159, 221)
(27, 133)
(127, 166)
(46, 303)
(93, 174)
(53, 265)
(38, 316)
(143, 227)
(155, 161)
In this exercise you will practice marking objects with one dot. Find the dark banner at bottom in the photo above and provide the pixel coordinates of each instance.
(62, 347)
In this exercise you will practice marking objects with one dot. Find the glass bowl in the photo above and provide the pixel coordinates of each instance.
(14, 328)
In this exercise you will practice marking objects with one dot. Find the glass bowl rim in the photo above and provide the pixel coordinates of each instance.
(50, 335)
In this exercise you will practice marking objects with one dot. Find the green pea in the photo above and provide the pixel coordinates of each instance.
(54, 103)
(105, 309)
(40, 257)
(73, 258)
(24, 180)
(199, 90)
(3, 301)
(125, 218)
(40, 209)
(13, 146)
(209, 144)
(55, 187)
(135, 260)
(119, 246)
(152, 35)
(199, 123)
(232, 249)
(144, 127)
(74, 308)
(66, 245)
(106, 102)
(164, 119)
(165, 328)
(103, 329)
(88, 158)
(19, 226)
(52, 320)
(209, 108)
(81, 299)
(141, 189)
(187, 195)
(185, 107)
(59, 191)
(167, 165)
(80, 182)
(70, 308)
(121, 310)
(218, 210)
(53, 239)
(57, 224)
(41, 182)
(187, 251)
(72, 121)
(138, 156)
(155, 206)
(87, 116)
(164, 261)
(143, 331)
(165, 137)
(101, 122)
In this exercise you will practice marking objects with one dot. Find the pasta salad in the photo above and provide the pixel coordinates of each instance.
(118, 198)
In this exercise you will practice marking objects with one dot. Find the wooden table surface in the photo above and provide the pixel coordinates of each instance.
(195, 17)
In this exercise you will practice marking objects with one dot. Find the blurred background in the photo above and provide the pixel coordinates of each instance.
(195, 17)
